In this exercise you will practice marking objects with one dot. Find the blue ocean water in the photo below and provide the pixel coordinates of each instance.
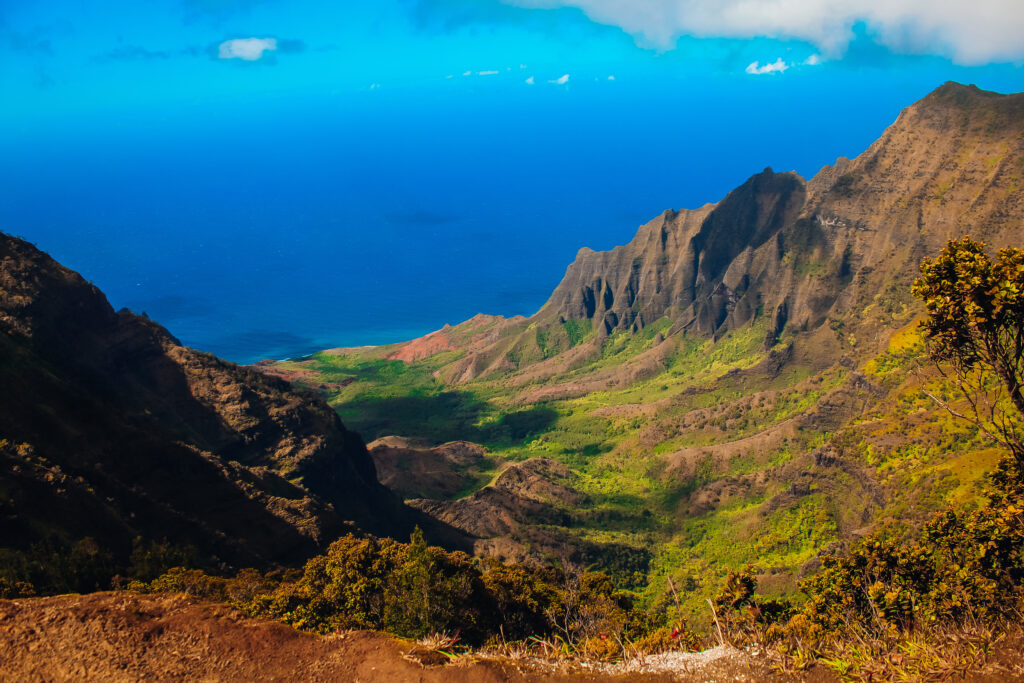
(322, 223)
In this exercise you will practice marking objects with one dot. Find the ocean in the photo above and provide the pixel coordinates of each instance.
(312, 225)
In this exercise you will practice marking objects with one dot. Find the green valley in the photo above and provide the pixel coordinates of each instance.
(772, 409)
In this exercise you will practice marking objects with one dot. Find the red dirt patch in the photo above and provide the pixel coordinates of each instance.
(114, 637)
(424, 347)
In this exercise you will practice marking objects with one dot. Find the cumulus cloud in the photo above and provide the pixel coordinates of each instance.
(247, 49)
(530, 80)
(778, 66)
(486, 73)
(973, 32)
(561, 80)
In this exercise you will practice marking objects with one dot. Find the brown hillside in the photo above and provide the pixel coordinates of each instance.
(111, 429)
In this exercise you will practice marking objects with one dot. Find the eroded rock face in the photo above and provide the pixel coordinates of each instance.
(116, 430)
(778, 245)
(796, 253)
(679, 260)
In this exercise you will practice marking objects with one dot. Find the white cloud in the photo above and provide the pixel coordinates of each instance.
(467, 73)
(561, 80)
(374, 86)
(813, 60)
(611, 78)
(778, 66)
(972, 32)
(249, 49)
(486, 73)
(530, 81)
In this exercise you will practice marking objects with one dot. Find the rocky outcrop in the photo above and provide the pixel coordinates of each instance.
(413, 470)
(535, 491)
(949, 165)
(678, 261)
(843, 246)
(112, 429)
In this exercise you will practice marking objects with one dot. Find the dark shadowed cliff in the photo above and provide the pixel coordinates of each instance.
(113, 430)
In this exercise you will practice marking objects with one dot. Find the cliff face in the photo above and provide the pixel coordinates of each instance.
(677, 261)
(114, 430)
(951, 164)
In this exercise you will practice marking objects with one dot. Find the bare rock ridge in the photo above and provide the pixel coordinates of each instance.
(677, 262)
(949, 165)
(110, 428)
(840, 247)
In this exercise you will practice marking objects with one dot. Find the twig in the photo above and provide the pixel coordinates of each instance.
(721, 638)
(675, 596)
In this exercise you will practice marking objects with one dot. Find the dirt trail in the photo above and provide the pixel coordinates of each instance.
(114, 637)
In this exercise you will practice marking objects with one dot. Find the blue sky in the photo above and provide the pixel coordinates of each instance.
(267, 177)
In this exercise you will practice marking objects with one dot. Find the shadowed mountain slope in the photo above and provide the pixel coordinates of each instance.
(111, 429)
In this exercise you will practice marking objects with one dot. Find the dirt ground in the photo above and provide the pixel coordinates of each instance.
(117, 637)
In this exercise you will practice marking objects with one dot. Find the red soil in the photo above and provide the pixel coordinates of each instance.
(114, 637)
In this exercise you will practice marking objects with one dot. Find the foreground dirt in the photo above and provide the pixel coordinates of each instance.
(128, 637)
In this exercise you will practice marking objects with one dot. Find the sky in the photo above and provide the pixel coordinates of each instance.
(267, 178)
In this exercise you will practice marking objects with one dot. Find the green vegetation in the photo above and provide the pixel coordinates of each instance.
(974, 327)
(656, 453)
(687, 452)
(58, 566)
(414, 590)
(577, 331)
(711, 471)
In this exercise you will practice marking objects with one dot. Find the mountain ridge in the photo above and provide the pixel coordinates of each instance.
(717, 267)
(111, 429)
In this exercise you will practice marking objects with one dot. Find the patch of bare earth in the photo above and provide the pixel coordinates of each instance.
(424, 347)
(115, 637)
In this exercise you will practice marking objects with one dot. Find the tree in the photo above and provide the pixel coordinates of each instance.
(975, 329)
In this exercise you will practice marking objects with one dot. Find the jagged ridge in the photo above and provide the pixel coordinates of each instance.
(114, 430)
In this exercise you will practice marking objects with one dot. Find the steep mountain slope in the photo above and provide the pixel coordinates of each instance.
(740, 383)
(799, 252)
(110, 429)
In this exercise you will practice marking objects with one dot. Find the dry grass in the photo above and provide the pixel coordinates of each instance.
(439, 641)
(969, 650)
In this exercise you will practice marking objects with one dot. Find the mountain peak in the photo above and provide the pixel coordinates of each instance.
(998, 109)
(951, 90)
